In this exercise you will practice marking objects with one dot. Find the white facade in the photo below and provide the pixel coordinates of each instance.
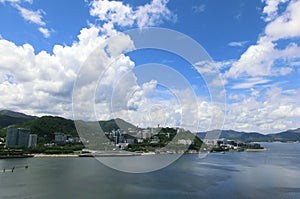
(32, 140)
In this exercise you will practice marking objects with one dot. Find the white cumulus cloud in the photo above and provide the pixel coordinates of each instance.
(271, 8)
(258, 59)
(116, 12)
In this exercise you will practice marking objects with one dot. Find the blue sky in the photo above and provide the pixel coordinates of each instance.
(198, 19)
(253, 45)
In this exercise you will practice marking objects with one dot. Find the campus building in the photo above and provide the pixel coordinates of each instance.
(17, 137)
(32, 140)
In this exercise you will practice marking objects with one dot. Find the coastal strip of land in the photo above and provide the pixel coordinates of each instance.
(16, 156)
(104, 154)
(255, 150)
(55, 155)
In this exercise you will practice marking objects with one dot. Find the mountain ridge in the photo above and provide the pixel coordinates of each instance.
(49, 125)
(8, 118)
(288, 135)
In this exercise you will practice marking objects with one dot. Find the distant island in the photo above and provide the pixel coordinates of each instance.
(57, 135)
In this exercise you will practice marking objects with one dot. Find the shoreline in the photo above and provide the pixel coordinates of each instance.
(16, 156)
(55, 155)
(255, 150)
(110, 154)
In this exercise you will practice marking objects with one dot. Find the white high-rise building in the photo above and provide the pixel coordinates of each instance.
(32, 140)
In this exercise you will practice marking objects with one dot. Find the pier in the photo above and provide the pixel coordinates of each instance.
(12, 169)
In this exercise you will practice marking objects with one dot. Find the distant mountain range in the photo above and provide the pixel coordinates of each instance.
(46, 126)
(10, 117)
(289, 135)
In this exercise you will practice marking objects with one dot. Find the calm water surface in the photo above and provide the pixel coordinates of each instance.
(274, 173)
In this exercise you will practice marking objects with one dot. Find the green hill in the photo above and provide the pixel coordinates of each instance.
(228, 134)
(108, 126)
(46, 127)
(289, 135)
(10, 117)
(235, 135)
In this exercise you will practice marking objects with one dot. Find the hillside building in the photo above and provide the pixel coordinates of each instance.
(32, 140)
(17, 137)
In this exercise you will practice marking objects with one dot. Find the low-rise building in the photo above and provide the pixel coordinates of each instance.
(71, 139)
(60, 138)
(155, 140)
(139, 140)
(213, 142)
(130, 140)
(146, 133)
(185, 142)
(122, 146)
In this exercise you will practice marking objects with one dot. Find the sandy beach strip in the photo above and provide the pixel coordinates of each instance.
(55, 155)
(255, 150)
